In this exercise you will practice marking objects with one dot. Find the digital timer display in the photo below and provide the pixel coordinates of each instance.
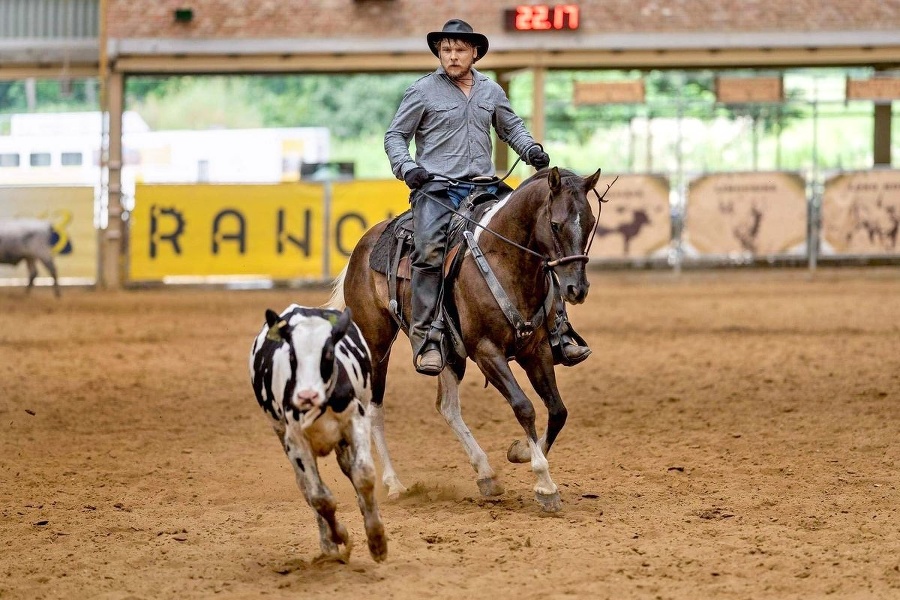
(542, 17)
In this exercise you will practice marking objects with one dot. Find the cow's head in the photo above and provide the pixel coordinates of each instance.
(312, 341)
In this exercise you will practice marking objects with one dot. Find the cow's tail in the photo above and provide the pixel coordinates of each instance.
(337, 301)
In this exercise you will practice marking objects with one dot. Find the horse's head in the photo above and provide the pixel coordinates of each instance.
(564, 234)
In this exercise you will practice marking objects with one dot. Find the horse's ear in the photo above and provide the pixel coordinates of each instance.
(554, 180)
(590, 182)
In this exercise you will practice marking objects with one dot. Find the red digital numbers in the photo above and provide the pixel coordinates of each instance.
(542, 17)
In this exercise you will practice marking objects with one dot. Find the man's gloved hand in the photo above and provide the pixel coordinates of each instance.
(417, 177)
(538, 158)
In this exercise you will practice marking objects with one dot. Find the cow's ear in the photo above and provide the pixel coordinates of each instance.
(343, 322)
(278, 329)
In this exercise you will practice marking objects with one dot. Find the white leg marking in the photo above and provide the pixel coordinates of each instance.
(541, 469)
(449, 407)
(388, 476)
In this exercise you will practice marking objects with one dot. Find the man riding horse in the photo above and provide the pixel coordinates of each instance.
(449, 113)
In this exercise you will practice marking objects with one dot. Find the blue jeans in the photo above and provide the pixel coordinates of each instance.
(459, 192)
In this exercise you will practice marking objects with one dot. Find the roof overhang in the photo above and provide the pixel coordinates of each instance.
(508, 52)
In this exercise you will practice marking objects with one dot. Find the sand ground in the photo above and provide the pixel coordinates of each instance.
(734, 435)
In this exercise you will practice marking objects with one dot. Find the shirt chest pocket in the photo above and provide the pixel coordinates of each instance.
(445, 115)
(484, 113)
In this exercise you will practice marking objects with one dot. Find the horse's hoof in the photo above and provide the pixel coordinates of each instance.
(340, 556)
(518, 452)
(550, 503)
(489, 486)
(395, 492)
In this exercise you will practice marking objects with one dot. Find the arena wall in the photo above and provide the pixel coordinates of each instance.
(384, 19)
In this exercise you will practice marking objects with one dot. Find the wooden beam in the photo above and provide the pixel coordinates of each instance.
(12, 72)
(886, 56)
(112, 239)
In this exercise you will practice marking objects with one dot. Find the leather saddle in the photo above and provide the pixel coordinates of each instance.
(391, 256)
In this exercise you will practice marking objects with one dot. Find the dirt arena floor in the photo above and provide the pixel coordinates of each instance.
(734, 435)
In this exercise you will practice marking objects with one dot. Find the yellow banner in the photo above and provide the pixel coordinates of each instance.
(861, 213)
(71, 211)
(272, 231)
(356, 207)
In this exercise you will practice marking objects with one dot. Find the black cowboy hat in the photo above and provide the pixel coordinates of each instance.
(457, 29)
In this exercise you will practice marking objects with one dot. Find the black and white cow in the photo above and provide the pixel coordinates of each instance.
(29, 240)
(311, 372)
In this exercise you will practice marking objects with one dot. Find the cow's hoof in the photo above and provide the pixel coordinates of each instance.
(378, 548)
(489, 486)
(518, 452)
(550, 503)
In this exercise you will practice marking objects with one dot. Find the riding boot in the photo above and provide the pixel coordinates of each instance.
(425, 339)
(572, 345)
(571, 348)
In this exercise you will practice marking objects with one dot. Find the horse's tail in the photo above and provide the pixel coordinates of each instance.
(337, 301)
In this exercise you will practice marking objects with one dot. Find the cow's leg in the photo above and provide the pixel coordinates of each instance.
(494, 366)
(32, 272)
(449, 407)
(51, 267)
(332, 534)
(355, 458)
(539, 368)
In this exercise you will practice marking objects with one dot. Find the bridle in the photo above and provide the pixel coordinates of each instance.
(583, 257)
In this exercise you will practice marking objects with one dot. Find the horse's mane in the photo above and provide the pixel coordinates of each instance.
(543, 174)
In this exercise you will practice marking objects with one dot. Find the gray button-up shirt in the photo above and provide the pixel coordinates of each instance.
(453, 132)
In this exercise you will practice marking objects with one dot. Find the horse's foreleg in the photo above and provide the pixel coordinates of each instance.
(449, 407)
(539, 369)
(497, 371)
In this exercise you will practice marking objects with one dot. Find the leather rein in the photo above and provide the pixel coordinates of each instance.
(549, 264)
(524, 328)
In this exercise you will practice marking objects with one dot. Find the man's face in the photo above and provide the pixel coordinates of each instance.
(457, 57)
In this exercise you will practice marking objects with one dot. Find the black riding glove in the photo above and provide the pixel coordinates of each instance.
(417, 177)
(537, 158)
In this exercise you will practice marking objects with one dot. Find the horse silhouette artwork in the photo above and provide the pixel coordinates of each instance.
(628, 231)
(504, 286)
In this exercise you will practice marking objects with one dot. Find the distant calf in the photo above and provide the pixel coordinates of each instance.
(311, 372)
(28, 240)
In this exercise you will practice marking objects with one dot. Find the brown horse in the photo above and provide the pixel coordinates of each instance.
(534, 239)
